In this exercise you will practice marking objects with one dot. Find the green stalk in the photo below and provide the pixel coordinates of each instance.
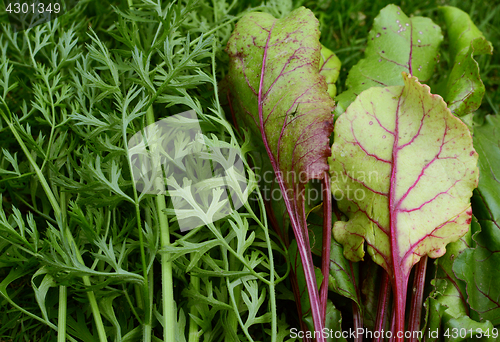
(148, 329)
(232, 263)
(148, 310)
(169, 312)
(194, 331)
(132, 306)
(61, 319)
(146, 333)
(63, 291)
(138, 298)
(57, 213)
(272, 280)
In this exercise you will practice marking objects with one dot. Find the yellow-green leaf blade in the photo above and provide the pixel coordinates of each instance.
(403, 169)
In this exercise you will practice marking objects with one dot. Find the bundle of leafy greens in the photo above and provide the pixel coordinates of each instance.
(387, 166)
(402, 165)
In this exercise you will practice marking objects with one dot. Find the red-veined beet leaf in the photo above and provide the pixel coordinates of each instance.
(396, 43)
(403, 169)
(277, 91)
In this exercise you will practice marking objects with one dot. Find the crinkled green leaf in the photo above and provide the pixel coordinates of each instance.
(434, 314)
(451, 296)
(333, 324)
(464, 89)
(344, 275)
(439, 323)
(370, 292)
(462, 33)
(478, 266)
(277, 91)
(451, 291)
(396, 43)
(487, 199)
(464, 328)
(330, 68)
(403, 169)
